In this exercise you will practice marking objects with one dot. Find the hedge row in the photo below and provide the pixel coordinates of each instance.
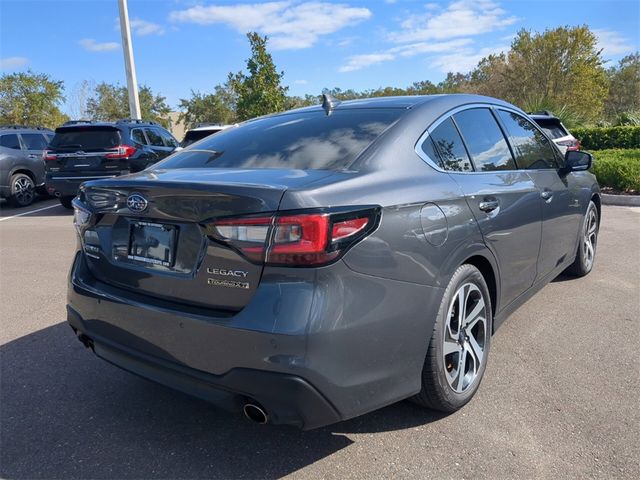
(599, 138)
(618, 169)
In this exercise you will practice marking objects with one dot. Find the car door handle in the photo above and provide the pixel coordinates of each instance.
(31, 155)
(488, 205)
(547, 195)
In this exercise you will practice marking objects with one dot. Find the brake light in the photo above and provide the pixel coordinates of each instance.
(121, 151)
(570, 144)
(48, 155)
(299, 239)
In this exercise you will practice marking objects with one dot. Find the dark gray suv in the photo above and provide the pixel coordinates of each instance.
(21, 164)
(314, 265)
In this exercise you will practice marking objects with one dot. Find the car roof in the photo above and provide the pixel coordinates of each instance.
(23, 129)
(117, 123)
(209, 127)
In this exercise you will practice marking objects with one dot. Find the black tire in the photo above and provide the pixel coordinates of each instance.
(586, 254)
(66, 202)
(438, 391)
(23, 190)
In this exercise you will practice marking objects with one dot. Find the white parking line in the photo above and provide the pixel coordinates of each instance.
(29, 212)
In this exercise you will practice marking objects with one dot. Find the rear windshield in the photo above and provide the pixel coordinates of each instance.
(552, 127)
(194, 135)
(304, 140)
(86, 138)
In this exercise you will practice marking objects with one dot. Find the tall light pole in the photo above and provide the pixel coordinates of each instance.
(129, 65)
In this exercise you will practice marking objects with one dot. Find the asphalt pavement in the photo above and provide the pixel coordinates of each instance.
(560, 397)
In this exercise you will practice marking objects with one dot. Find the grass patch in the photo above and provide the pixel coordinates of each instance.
(618, 169)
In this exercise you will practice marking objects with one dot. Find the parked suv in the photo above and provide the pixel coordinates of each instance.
(201, 131)
(556, 131)
(364, 254)
(21, 165)
(84, 150)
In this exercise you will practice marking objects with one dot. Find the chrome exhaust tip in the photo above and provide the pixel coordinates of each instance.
(255, 413)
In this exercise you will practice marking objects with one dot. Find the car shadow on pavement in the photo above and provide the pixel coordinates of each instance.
(66, 414)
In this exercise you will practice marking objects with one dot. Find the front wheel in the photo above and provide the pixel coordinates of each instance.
(459, 346)
(586, 254)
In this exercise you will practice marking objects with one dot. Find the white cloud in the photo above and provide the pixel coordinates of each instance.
(357, 62)
(13, 62)
(460, 19)
(142, 28)
(300, 82)
(289, 25)
(612, 43)
(91, 45)
(464, 60)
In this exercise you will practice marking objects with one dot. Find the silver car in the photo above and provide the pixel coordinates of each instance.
(21, 163)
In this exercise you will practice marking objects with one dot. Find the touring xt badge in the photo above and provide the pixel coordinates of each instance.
(227, 282)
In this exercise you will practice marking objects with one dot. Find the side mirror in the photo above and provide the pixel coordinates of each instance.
(577, 160)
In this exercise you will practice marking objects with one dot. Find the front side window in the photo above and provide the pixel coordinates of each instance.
(10, 141)
(449, 144)
(34, 141)
(169, 141)
(137, 135)
(484, 140)
(532, 149)
(154, 138)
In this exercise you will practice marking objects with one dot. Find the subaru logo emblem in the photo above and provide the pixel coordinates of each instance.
(137, 203)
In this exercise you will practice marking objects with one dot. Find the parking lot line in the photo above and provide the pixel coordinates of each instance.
(29, 212)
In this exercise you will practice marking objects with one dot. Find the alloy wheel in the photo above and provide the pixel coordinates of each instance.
(23, 189)
(590, 238)
(464, 337)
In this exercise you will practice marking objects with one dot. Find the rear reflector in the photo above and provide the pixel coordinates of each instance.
(300, 239)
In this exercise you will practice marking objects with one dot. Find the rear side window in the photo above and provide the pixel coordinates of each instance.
(10, 141)
(137, 135)
(154, 138)
(34, 141)
(532, 149)
(484, 140)
(449, 144)
(552, 127)
(429, 149)
(86, 138)
(303, 140)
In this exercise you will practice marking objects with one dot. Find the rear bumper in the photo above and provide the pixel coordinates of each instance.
(287, 399)
(67, 184)
(325, 346)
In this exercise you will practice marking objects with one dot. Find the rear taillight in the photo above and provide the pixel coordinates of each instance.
(121, 151)
(296, 239)
(48, 155)
(570, 144)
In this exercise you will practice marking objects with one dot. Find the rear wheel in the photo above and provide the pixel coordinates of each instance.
(459, 347)
(586, 254)
(23, 190)
(66, 202)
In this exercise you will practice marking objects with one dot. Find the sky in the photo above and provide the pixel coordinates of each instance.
(184, 45)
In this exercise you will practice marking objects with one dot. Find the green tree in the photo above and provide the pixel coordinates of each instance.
(561, 67)
(624, 89)
(259, 92)
(111, 102)
(217, 107)
(28, 98)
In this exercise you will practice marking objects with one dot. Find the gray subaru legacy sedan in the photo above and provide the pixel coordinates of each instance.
(314, 265)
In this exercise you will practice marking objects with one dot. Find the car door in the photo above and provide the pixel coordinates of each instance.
(559, 196)
(504, 201)
(157, 143)
(34, 144)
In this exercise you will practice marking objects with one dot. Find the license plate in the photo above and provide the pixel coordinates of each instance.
(152, 243)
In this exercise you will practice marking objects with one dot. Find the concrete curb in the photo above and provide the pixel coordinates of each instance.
(621, 200)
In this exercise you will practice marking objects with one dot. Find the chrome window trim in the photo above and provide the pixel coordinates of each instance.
(491, 106)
